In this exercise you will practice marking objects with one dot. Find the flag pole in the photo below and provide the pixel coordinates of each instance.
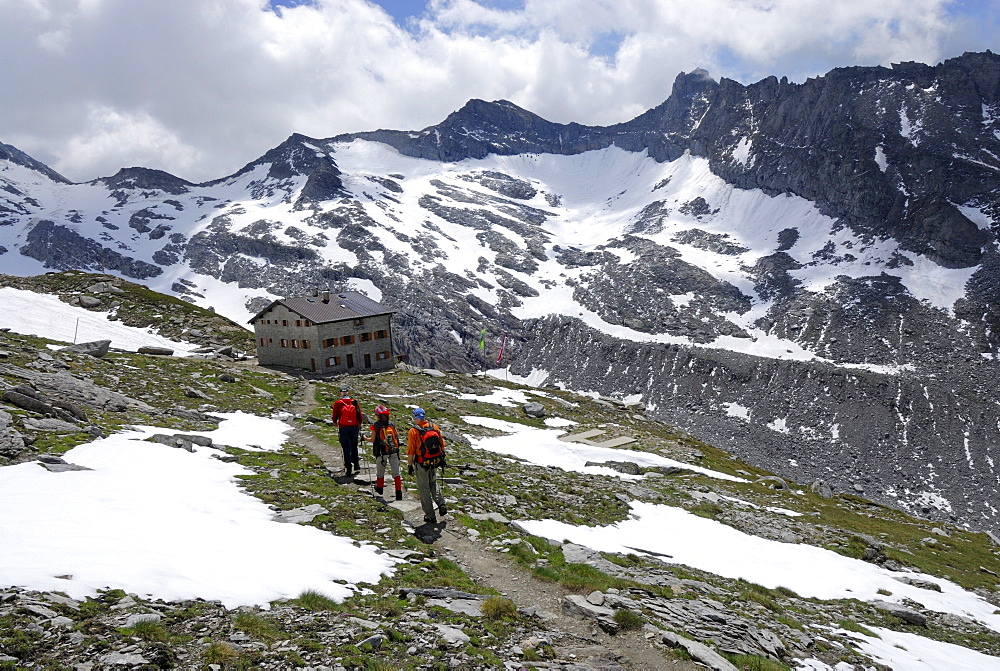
(503, 345)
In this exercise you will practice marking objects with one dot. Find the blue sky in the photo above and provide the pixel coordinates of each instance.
(200, 88)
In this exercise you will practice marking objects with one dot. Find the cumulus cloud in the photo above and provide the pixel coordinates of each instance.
(108, 130)
(201, 87)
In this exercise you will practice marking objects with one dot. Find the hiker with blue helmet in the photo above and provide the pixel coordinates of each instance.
(425, 455)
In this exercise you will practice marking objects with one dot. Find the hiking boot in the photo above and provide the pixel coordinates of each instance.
(378, 490)
(357, 467)
(347, 470)
(399, 495)
(442, 510)
(430, 520)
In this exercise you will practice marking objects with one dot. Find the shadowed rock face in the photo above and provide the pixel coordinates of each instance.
(60, 247)
(903, 157)
(890, 434)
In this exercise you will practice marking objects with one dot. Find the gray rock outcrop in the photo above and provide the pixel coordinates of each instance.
(96, 348)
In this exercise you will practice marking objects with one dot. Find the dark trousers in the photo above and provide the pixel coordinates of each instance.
(349, 444)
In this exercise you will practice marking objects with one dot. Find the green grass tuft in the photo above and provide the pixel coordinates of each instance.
(498, 608)
(314, 601)
(628, 619)
(149, 630)
(546, 573)
(221, 653)
(258, 627)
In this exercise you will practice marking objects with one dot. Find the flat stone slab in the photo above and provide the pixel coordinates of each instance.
(63, 467)
(578, 554)
(124, 659)
(902, 612)
(699, 652)
(471, 607)
(576, 604)
(51, 424)
(452, 635)
(40, 611)
(406, 505)
(367, 624)
(303, 514)
(615, 442)
(581, 437)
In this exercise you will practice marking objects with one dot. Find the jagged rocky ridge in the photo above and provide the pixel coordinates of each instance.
(807, 274)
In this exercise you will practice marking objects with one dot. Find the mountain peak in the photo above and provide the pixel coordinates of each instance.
(15, 155)
(146, 178)
(696, 81)
(490, 115)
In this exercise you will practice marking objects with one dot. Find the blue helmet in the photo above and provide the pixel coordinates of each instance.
(418, 413)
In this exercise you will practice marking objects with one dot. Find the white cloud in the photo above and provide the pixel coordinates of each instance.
(218, 82)
(135, 138)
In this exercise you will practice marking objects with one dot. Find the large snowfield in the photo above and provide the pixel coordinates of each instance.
(170, 524)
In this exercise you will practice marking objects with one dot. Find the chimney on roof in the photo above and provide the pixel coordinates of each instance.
(326, 295)
(315, 292)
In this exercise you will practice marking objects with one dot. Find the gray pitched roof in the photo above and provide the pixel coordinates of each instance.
(346, 305)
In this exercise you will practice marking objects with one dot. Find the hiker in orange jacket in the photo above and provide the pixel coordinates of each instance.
(425, 472)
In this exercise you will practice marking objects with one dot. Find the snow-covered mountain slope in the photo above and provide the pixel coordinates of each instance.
(767, 266)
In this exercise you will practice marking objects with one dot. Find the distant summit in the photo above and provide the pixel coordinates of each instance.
(146, 179)
(18, 157)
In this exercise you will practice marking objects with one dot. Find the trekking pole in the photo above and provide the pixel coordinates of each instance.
(368, 468)
(368, 474)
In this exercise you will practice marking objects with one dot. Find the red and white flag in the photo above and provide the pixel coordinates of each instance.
(503, 344)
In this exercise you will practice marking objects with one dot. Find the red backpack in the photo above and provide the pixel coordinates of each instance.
(350, 414)
(431, 452)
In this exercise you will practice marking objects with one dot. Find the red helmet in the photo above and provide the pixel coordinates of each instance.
(381, 410)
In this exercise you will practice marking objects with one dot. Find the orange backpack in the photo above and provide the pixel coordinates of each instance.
(385, 439)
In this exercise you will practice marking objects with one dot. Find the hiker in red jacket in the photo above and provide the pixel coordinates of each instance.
(346, 414)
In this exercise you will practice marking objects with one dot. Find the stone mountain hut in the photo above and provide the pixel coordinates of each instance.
(325, 333)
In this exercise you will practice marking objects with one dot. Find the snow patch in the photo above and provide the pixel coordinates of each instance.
(883, 165)
(737, 410)
(46, 316)
(778, 425)
(543, 447)
(903, 650)
(741, 153)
